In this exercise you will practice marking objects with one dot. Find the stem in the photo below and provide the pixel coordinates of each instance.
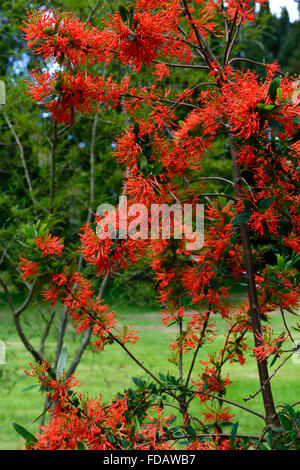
(286, 326)
(271, 376)
(53, 166)
(184, 66)
(92, 164)
(197, 350)
(47, 330)
(233, 403)
(200, 39)
(22, 156)
(271, 416)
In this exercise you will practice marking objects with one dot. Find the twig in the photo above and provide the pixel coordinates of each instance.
(238, 405)
(47, 331)
(286, 326)
(53, 166)
(271, 376)
(22, 156)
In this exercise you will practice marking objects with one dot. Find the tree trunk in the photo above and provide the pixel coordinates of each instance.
(271, 418)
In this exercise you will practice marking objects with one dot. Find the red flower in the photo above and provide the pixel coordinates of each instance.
(29, 268)
(268, 345)
(49, 245)
(65, 92)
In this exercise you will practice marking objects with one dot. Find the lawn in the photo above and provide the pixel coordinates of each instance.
(110, 371)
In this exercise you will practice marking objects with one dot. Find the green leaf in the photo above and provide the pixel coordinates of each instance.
(269, 107)
(144, 165)
(61, 363)
(138, 382)
(41, 281)
(136, 129)
(265, 106)
(277, 125)
(285, 422)
(214, 284)
(273, 88)
(123, 13)
(265, 203)
(132, 433)
(81, 446)
(157, 168)
(131, 12)
(233, 433)
(274, 360)
(125, 444)
(270, 438)
(277, 429)
(296, 120)
(291, 411)
(192, 433)
(241, 218)
(24, 433)
(279, 94)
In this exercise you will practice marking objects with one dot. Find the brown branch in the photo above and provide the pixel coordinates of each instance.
(230, 402)
(185, 66)
(53, 166)
(92, 164)
(47, 331)
(87, 337)
(37, 356)
(271, 415)
(232, 198)
(271, 376)
(204, 47)
(197, 350)
(262, 64)
(286, 326)
(22, 156)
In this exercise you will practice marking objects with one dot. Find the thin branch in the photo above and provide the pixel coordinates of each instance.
(93, 11)
(286, 326)
(262, 64)
(185, 66)
(163, 100)
(92, 164)
(232, 198)
(201, 41)
(27, 301)
(271, 376)
(22, 156)
(208, 178)
(87, 337)
(229, 36)
(47, 331)
(37, 356)
(238, 405)
(261, 437)
(197, 350)
(53, 166)
(233, 40)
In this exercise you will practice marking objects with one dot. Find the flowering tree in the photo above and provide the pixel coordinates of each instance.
(162, 155)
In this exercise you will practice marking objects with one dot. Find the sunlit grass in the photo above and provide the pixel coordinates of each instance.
(110, 371)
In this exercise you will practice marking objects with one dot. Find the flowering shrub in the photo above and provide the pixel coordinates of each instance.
(162, 155)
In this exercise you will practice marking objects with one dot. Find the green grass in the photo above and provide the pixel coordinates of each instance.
(110, 371)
